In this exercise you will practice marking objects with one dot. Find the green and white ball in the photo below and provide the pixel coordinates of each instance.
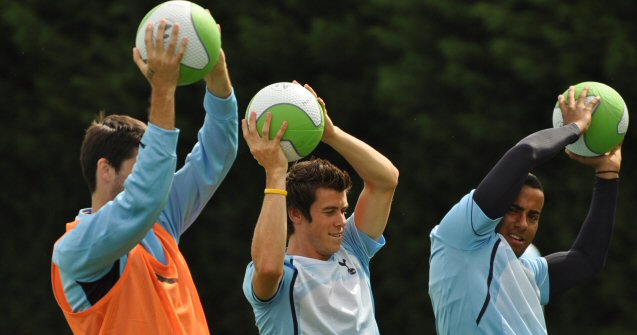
(299, 107)
(609, 120)
(196, 24)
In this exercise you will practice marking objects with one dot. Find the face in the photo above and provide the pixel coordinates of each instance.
(520, 223)
(322, 237)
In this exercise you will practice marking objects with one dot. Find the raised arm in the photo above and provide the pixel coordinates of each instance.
(501, 185)
(587, 255)
(162, 71)
(211, 157)
(89, 250)
(270, 233)
(378, 173)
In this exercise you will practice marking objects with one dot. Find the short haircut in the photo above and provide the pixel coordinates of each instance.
(303, 180)
(114, 137)
(532, 181)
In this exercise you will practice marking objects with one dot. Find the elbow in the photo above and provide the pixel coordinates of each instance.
(67, 262)
(267, 266)
(269, 271)
(394, 177)
(524, 150)
(390, 182)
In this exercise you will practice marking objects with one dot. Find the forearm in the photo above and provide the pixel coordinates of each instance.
(269, 240)
(501, 185)
(162, 107)
(206, 166)
(218, 139)
(588, 253)
(375, 169)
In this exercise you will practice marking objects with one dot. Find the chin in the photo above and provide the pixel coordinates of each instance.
(333, 250)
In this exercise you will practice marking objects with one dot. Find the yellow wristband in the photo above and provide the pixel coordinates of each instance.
(275, 191)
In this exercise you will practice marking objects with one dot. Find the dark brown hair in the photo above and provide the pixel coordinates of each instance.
(305, 177)
(114, 137)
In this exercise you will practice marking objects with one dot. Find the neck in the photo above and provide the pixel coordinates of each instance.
(296, 247)
(98, 200)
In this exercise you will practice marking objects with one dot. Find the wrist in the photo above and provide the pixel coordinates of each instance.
(582, 125)
(607, 173)
(218, 82)
(330, 136)
(278, 191)
(163, 91)
(275, 178)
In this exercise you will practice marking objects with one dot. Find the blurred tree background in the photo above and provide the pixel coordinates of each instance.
(443, 88)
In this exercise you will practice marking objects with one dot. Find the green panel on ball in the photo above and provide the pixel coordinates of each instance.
(301, 132)
(210, 37)
(602, 135)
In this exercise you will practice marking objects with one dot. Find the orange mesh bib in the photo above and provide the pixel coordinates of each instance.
(148, 298)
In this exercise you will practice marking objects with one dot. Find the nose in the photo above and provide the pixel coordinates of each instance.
(521, 222)
(341, 220)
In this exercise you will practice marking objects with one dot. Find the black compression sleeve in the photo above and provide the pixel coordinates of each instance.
(588, 253)
(499, 188)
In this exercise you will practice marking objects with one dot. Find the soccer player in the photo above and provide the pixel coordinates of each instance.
(478, 283)
(118, 268)
(320, 284)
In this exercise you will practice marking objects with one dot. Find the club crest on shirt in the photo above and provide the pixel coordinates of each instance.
(351, 271)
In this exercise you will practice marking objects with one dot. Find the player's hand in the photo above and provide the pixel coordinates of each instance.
(266, 151)
(162, 66)
(218, 79)
(606, 166)
(577, 111)
(328, 130)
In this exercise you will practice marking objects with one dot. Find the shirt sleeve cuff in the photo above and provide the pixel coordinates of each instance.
(160, 138)
(220, 108)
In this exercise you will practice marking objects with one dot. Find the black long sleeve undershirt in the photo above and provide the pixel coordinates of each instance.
(587, 255)
(501, 186)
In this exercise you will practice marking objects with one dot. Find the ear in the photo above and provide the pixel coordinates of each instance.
(105, 173)
(295, 215)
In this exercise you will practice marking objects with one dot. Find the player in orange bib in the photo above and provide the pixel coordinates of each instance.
(118, 269)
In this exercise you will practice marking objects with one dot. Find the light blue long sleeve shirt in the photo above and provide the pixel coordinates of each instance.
(153, 193)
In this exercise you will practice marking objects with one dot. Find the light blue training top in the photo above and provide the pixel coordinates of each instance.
(321, 297)
(477, 284)
(153, 193)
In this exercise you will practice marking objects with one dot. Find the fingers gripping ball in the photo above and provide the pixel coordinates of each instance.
(196, 24)
(292, 103)
(609, 121)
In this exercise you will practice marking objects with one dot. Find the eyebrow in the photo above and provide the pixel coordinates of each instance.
(532, 211)
(333, 208)
(516, 207)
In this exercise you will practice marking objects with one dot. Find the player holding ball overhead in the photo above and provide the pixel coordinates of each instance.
(118, 268)
(320, 282)
(478, 283)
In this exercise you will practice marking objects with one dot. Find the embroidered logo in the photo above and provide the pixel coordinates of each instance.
(351, 271)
